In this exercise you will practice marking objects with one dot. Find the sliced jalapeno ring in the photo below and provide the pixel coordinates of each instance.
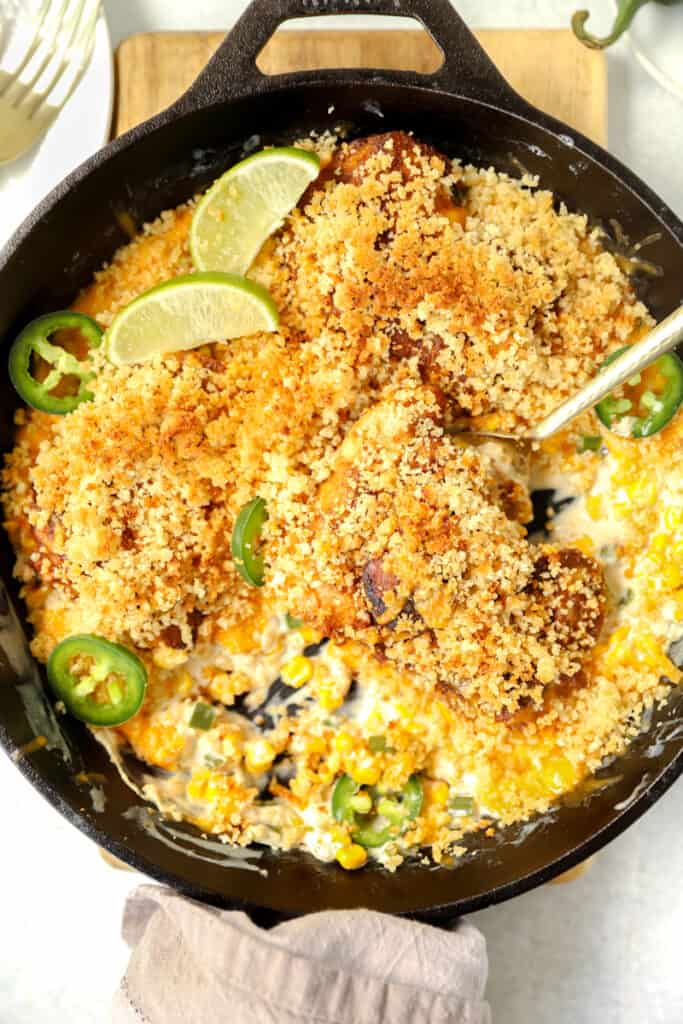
(367, 828)
(35, 340)
(648, 401)
(248, 525)
(100, 683)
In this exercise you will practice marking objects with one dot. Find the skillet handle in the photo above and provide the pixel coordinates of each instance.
(232, 71)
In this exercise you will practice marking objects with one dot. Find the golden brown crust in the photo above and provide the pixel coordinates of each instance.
(414, 551)
(126, 507)
(382, 265)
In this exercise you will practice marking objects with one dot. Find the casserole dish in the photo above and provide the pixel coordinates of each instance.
(465, 109)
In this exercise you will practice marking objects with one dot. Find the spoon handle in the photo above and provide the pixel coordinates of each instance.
(662, 338)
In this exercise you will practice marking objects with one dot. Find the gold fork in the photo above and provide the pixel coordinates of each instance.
(50, 67)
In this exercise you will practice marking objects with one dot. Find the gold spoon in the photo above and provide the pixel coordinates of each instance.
(662, 338)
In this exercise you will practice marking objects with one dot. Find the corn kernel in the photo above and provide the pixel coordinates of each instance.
(352, 857)
(259, 755)
(231, 745)
(445, 711)
(642, 491)
(169, 657)
(671, 574)
(225, 686)
(184, 683)
(200, 786)
(344, 742)
(316, 745)
(341, 836)
(619, 635)
(310, 636)
(365, 772)
(659, 543)
(677, 551)
(297, 671)
(238, 639)
(329, 698)
(594, 506)
(558, 774)
(374, 723)
(585, 544)
(437, 793)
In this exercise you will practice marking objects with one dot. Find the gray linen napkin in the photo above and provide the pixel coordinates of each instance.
(193, 964)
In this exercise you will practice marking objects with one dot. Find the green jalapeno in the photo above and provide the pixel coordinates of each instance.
(99, 682)
(202, 716)
(646, 402)
(588, 443)
(626, 11)
(248, 526)
(35, 340)
(375, 817)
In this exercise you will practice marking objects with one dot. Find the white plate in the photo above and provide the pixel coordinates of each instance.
(656, 37)
(81, 128)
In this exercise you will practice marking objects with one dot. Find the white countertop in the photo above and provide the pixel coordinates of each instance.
(602, 950)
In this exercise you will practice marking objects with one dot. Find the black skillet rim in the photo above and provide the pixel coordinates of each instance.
(467, 74)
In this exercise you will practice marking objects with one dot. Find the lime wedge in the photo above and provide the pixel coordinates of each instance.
(186, 312)
(246, 204)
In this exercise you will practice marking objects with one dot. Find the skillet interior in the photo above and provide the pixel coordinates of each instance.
(78, 228)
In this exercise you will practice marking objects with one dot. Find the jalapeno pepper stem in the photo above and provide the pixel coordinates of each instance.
(625, 14)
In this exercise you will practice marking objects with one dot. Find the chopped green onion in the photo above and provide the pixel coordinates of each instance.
(635, 380)
(462, 804)
(626, 597)
(377, 744)
(248, 526)
(211, 761)
(589, 443)
(293, 623)
(202, 716)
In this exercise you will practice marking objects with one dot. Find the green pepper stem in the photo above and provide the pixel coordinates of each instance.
(625, 14)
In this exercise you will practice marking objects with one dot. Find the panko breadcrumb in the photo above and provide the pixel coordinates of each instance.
(417, 551)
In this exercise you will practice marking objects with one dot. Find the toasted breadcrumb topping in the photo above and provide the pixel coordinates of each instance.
(414, 294)
(416, 551)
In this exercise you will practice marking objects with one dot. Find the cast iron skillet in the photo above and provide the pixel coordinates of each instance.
(465, 108)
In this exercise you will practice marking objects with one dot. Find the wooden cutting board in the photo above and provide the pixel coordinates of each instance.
(547, 66)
